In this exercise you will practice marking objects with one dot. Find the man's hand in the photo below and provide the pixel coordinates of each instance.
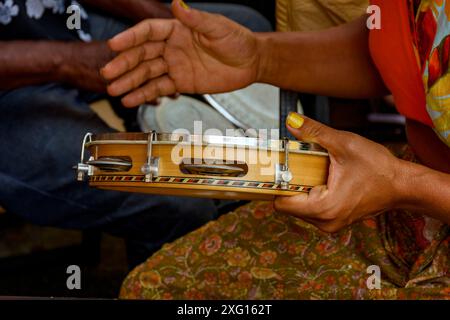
(24, 63)
(83, 63)
(364, 178)
(197, 53)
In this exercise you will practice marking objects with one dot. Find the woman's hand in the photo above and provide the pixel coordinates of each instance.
(363, 178)
(197, 53)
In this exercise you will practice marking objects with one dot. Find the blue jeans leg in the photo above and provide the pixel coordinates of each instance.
(41, 128)
(246, 16)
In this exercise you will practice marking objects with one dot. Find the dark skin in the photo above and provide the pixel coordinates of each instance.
(135, 10)
(200, 50)
(25, 63)
(77, 64)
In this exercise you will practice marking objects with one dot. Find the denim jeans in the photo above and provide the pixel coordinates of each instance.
(41, 128)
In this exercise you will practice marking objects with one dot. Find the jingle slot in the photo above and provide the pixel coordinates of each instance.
(112, 164)
(206, 167)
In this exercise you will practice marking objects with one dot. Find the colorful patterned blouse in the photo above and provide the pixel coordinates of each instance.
(411, 51)
(432, 42)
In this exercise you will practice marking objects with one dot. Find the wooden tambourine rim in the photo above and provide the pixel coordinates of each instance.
(124, 138)
(197, 185)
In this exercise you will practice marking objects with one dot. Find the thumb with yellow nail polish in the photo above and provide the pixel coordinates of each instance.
(183, 4)
(294, 120)
(308, 130)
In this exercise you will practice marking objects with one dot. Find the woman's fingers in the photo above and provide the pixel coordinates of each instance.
(147, 30)
(129, 59)
(146, 71)
(304, 205)
(306, 129)
(316, 208)
(162, 86)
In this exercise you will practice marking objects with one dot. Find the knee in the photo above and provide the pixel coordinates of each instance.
(47, 95)
(146, 281)
(241, 14)
(131, 287)
(251, 19)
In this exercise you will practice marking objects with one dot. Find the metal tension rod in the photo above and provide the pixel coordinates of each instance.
(150, 168)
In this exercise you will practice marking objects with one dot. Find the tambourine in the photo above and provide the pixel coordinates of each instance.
(218, 167)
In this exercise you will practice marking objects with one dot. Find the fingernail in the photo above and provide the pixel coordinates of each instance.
(294, 120)
(183, 4)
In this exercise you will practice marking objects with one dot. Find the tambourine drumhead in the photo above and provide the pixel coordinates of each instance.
(205, 166)
(185, 113)
(254, 107)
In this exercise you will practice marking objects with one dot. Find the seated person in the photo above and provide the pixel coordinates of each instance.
(48, 76)
(376, 209)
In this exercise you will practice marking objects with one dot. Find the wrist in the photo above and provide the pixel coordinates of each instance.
(425, 191)
(64, 62)
(266, 59)
(406, 185)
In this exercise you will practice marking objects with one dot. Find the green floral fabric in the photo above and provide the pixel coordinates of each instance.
(257, 253)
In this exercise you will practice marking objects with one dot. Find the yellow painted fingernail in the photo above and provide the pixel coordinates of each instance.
(294, 120)
(184, 5)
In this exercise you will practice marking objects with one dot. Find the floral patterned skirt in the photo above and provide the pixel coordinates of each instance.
(257, 253)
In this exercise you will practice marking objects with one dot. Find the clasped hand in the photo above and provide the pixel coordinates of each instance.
(362, 181)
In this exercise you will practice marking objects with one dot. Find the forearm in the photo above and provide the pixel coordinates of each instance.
(424, 190)
(135, 10)
(335, 62)
(31, 62)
